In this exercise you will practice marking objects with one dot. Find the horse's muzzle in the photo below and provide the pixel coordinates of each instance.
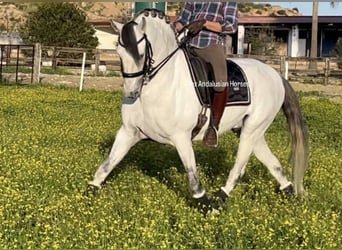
(132, 94)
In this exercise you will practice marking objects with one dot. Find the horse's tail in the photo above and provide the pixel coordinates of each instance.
(299, 137)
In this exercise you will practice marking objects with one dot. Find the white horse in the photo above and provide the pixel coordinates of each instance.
(160, 103)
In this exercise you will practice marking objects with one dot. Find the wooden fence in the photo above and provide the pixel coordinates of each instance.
(299, 69)
(323, 70)
(72, 57)
(99, 61)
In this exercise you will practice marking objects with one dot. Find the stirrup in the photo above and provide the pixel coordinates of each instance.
(210, 141)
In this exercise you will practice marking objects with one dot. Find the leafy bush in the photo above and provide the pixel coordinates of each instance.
(273, 14)
(54, 138)
(59, 24)
(295, 10)
(262, 40)
(281, 12)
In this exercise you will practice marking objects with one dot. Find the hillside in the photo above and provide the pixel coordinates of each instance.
(13, 14)
(252, 9)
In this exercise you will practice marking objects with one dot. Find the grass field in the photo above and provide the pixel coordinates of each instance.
(54, 138)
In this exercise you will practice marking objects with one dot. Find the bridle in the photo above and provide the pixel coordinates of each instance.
(148, 71)
(148, 59)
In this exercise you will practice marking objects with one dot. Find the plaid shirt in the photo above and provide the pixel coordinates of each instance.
(223, 12)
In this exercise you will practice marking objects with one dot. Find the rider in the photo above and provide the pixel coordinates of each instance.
(209, 22)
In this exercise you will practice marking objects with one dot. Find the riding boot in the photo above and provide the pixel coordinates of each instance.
(219, 103)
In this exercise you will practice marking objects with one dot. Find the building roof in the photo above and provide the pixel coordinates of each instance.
(250, 20)
(288, 19)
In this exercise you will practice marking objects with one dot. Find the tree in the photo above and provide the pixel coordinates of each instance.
(262, 41)
(314, 33)
(58, 24)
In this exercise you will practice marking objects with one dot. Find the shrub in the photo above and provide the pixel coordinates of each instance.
(273, 14)
(262, 40)
(281, 12)
(58, 24)
(259, 12)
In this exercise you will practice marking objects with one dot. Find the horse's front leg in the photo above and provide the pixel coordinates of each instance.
(184, 148)
(124, 141)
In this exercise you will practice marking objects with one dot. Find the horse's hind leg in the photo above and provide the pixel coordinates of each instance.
(124, 140)
(254, 142)
(250, 135)
(265, 155)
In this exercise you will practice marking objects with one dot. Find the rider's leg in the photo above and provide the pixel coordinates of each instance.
(217, 108)
(214, 54)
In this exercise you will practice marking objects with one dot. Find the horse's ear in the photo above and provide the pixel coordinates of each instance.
(117, 25)
(142, 24)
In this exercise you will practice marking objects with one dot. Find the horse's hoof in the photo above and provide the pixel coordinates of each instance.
(288, 191)
(91, 190)
(205, 206)
(220, 198)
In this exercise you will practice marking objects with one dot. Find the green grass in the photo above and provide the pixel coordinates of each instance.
(54, 138)
(58, 71)
(44, 70)
(14, 69)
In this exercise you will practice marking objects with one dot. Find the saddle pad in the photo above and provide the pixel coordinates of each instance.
(239, 93)
(202, 75)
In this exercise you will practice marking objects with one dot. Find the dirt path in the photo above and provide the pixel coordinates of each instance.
(334, 92)
(90, 82)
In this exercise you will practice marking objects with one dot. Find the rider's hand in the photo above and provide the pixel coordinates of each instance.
(178, 26)
(196, 26)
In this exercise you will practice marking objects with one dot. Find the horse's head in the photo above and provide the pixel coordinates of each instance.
(131, 48)
(143, 41)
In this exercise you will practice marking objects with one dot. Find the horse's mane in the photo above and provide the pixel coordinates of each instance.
(128, 35)
(129, 40)
(153, 13)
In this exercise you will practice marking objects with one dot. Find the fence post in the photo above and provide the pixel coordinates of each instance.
(2, 47)
(282, 65)
(82, 70)
(326, 71)
(97, 62)
(286, 74)
(37, 62)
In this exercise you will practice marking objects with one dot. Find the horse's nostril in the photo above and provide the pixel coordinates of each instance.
(133, 94)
